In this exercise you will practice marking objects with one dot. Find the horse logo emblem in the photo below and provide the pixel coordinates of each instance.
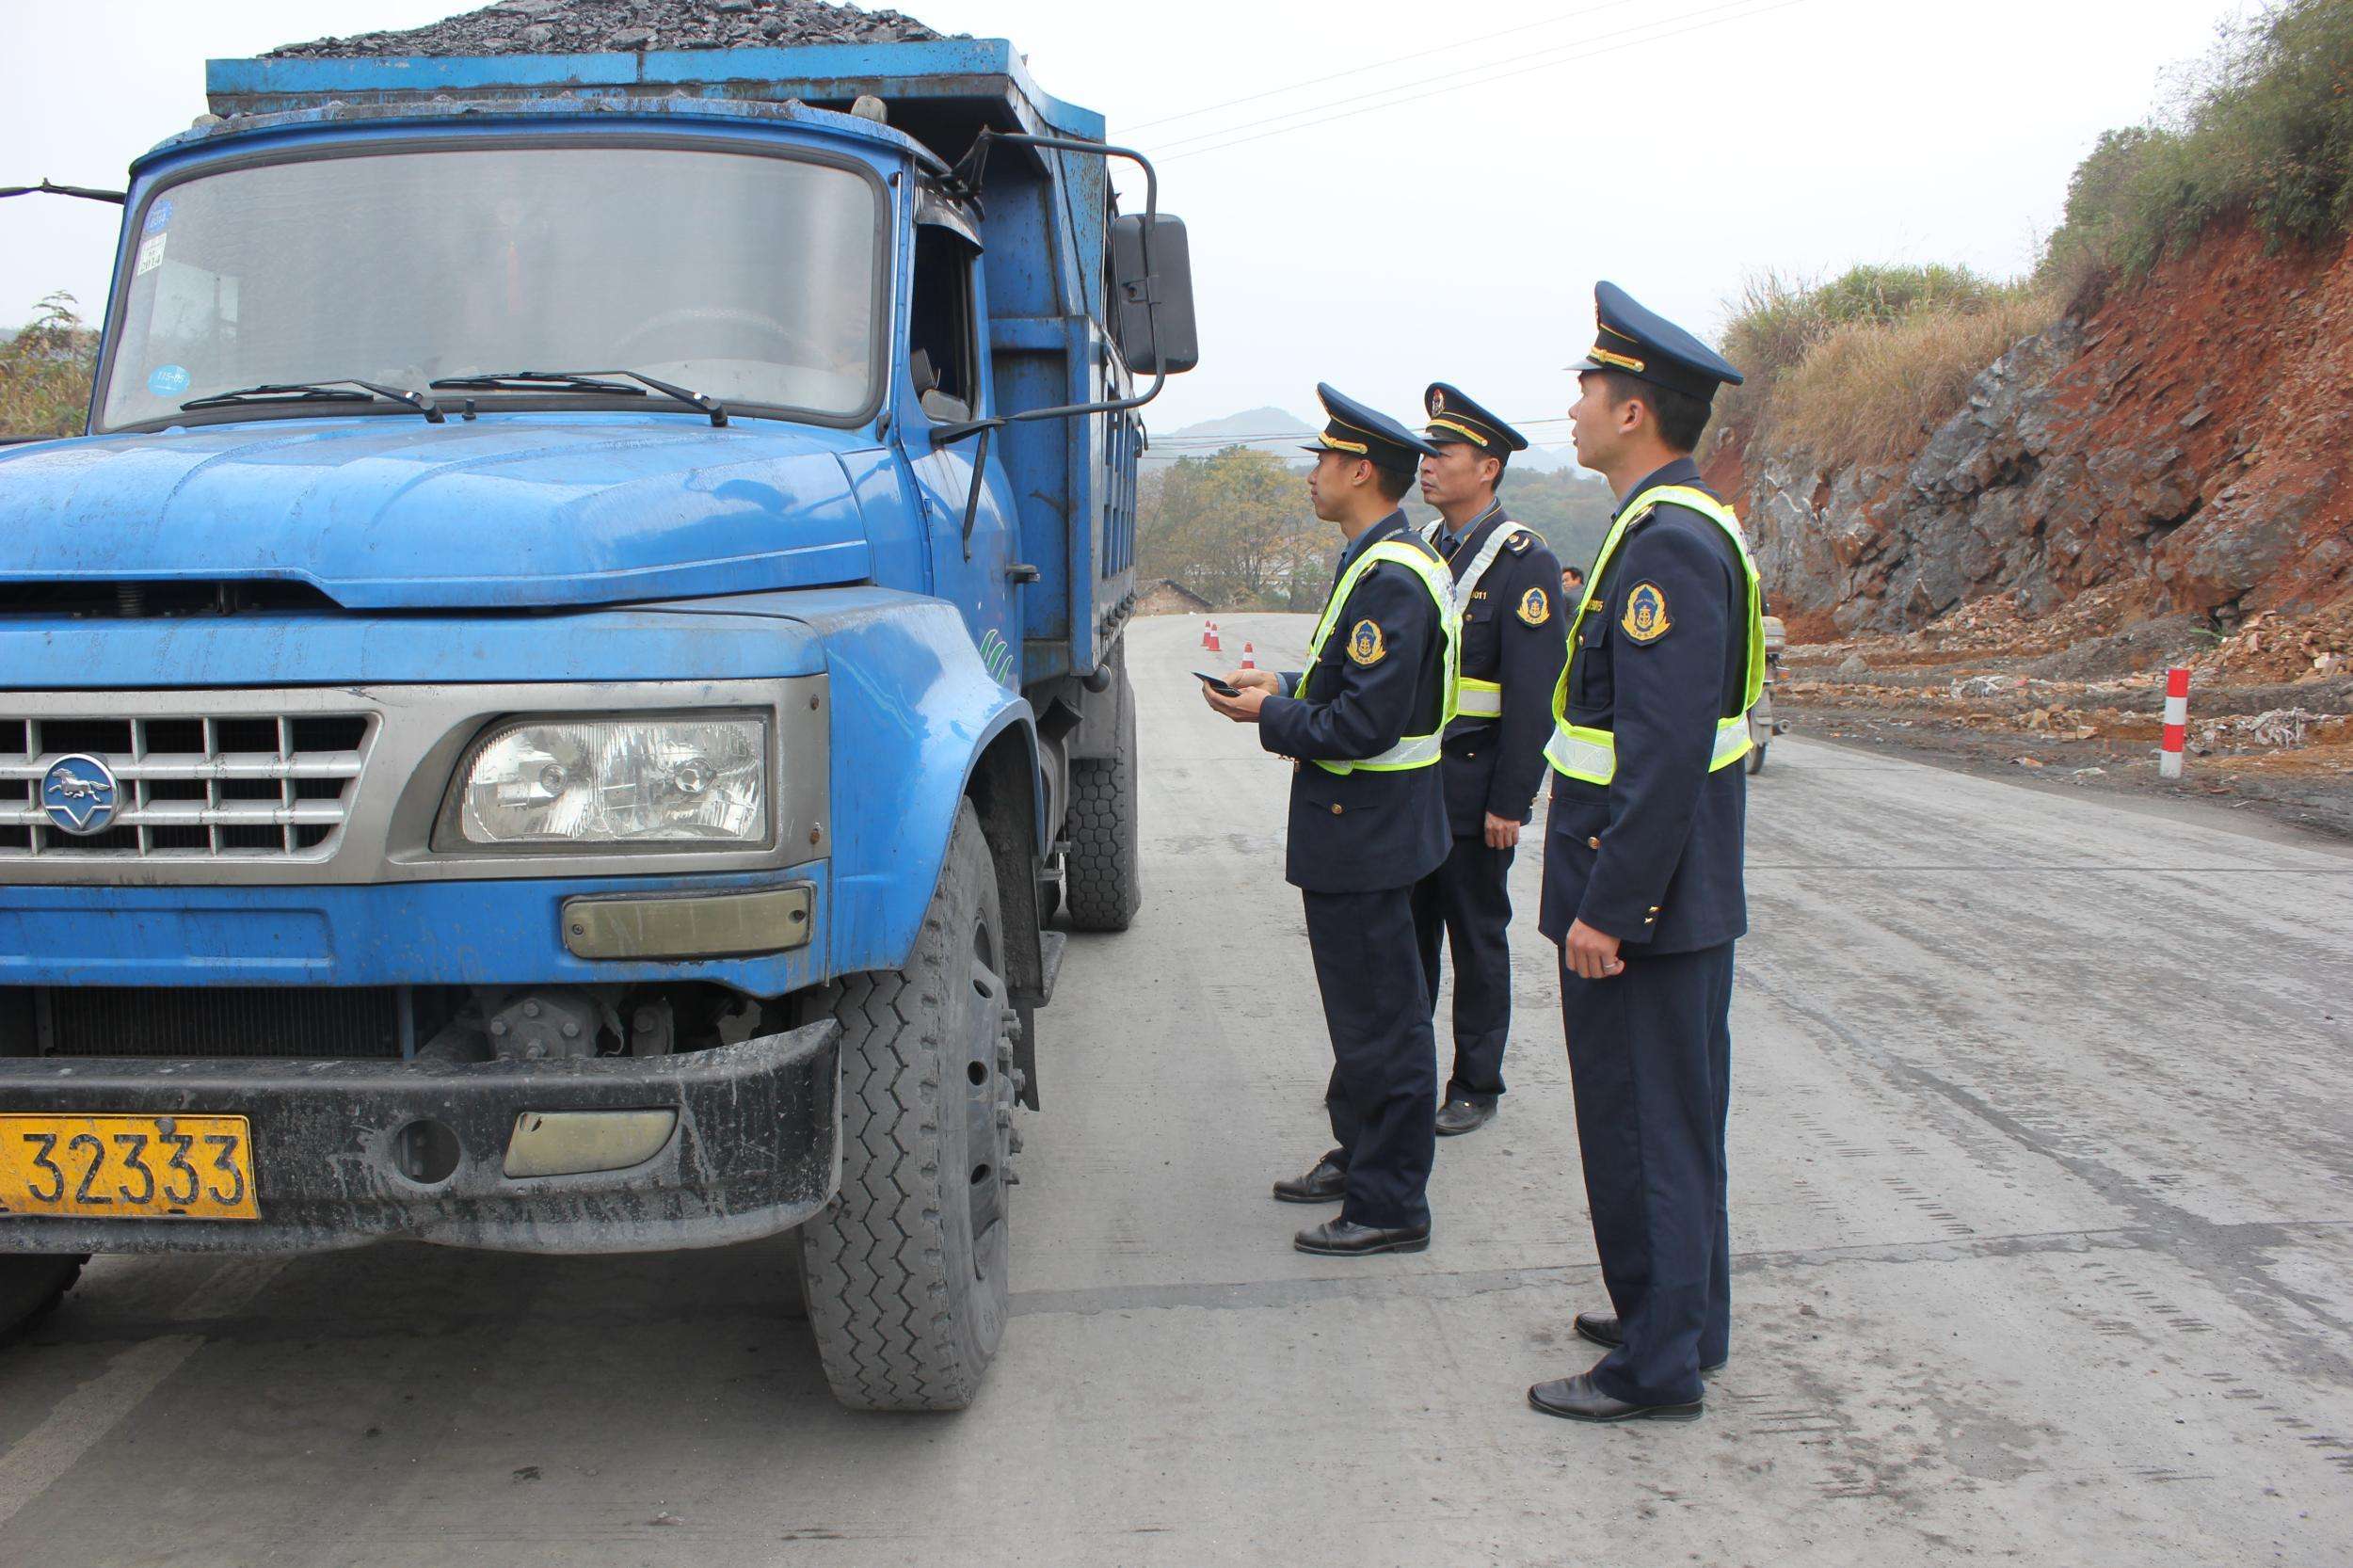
(80, 794)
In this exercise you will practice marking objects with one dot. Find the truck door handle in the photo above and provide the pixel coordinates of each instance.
(1022, 571)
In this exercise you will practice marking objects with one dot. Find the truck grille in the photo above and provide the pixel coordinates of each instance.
(234, 786)
(117, 1020)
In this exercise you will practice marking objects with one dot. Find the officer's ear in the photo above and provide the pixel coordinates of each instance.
(1629, 402)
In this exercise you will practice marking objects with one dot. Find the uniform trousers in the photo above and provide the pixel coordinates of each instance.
(1650, 1061)
(1468, 901)
(1383, 1095)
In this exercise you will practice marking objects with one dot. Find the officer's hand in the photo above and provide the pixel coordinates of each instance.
(1592, 955)
(1503, 832)
(1242, 709)
(1260, 681)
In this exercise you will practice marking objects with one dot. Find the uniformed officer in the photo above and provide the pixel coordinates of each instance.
(1642, 881)
(1506, 587)
(1363, 724)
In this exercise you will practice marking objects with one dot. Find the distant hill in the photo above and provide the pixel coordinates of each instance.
(1546, 459)
(1260, 429)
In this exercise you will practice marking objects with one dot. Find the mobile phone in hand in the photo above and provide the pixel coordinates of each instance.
(1220, 687)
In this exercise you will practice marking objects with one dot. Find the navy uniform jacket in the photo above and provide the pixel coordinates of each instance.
(1654, 858)
(1515, 631)
(1359, 832)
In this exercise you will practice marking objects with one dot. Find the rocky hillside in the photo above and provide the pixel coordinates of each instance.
(2180, 449)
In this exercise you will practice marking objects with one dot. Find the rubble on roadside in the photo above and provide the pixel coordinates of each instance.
(2271, 701)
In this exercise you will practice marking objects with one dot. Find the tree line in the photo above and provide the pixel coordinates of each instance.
(45, 371)
(1235, 527)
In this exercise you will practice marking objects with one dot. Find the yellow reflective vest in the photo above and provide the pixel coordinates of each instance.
(1590, 753)
(1411, 751)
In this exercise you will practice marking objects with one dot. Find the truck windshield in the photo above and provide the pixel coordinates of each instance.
(749, 278)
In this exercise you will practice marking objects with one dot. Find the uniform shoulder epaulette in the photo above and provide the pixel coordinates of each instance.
(1519, 542)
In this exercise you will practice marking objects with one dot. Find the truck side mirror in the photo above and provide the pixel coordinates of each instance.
(1152, 310)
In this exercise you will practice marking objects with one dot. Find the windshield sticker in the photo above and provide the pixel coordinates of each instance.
(168, 380)
(151, 255)
(158, 215)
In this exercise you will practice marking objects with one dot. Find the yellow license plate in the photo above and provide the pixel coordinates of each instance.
(127, 1167)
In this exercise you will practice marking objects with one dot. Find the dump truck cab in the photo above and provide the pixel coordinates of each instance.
(556, 702)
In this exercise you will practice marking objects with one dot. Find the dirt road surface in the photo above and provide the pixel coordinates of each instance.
(2044, 1229)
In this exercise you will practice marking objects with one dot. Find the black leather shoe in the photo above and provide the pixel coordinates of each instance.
(1602, 1329)
(1576, 1400)
(1346, 1238)
(1462, 1114)
(1326, 1183)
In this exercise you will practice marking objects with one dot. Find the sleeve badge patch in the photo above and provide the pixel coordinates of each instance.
(1365, 645)
(1535, 608)
(1645, 619)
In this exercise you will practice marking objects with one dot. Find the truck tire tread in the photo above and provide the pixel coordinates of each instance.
(1104, 887)
(879, 1277)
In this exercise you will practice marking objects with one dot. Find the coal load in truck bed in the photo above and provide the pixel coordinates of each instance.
(603, 26)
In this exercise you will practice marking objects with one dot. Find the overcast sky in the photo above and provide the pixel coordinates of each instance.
(1674, 146)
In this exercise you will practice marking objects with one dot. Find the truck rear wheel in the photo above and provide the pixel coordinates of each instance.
(907, 1270)
(1104, 889)
(30, 1285)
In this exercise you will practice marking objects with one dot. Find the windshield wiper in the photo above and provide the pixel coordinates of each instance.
(322, 391)
(531, 380)
(583, 380)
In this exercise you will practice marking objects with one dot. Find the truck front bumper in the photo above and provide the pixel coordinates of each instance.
(752, 1148)
(471, 932)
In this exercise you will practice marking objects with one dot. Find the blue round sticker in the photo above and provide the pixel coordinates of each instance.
(168, 380)
(159, 214)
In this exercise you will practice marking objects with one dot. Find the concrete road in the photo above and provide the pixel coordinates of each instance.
(2042, 1201)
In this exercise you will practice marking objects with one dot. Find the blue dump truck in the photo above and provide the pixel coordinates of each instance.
(566, 694)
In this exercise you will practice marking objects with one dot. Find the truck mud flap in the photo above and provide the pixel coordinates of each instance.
(1052, 946)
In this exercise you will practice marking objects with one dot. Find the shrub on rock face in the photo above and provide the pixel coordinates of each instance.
(2263, 131)
(1860, 367)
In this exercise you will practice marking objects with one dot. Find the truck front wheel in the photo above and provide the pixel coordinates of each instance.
(907, 1270)
(30, 1285)
(1104, 888)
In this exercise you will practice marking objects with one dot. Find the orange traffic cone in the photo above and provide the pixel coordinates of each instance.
(1247, 661)
(1210, 638)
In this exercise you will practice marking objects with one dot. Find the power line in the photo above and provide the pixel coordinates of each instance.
(1181, 438)
(1379, 65)
(1502, 75)
(1572, 47)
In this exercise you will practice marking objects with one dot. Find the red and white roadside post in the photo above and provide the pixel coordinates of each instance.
(2176, 723)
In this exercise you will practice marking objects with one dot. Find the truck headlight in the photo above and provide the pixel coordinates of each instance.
(628, 781)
